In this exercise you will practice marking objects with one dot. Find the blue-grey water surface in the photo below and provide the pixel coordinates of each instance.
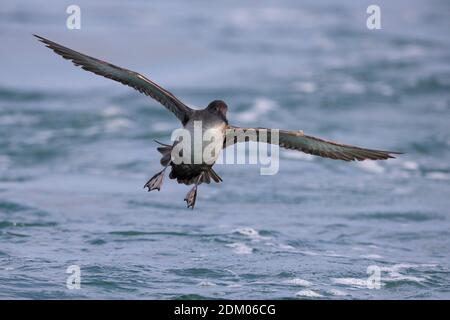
(76, 150)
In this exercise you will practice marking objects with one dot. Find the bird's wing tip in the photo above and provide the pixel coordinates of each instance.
(41, 39)
(160, 143)
(390, 154)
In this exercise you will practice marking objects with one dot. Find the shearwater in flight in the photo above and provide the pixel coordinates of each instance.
(213, 117)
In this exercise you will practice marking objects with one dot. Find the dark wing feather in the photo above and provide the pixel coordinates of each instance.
(296, 140)
(124, 76)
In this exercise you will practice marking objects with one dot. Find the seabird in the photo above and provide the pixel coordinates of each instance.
(214, 116)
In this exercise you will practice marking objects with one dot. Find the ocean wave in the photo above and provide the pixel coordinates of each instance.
(417, 216)
(354, 282)
(436, 175)
(260, 107)
(396, 273)
(308, 293)
(14, 224)
(371, 166)
(11, 94)
(372, 256)
(250, 233)
(240, 248)
(298, 282)
(206, 284)
(338, 293)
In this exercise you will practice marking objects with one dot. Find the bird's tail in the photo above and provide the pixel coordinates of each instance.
(214, 175)
(166, 151)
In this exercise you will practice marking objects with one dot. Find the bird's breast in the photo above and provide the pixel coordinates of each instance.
(205, 140)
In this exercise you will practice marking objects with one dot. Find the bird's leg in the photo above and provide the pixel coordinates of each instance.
(156, 181)
(192, 194)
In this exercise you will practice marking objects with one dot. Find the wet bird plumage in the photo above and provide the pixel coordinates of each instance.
(213, 116)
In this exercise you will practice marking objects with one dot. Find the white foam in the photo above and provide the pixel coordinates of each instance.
(111, 111)
(438, 176)
(264, 105)
(338, 293)
(297, 155)
(260, 107)
(410, 165)
(334, 254)
(383, 89)
(371, 256)
(247, 231)
(240, 248)
(370, 166)
(395, 275)
(355, 282)
(206, 284)
(251, 233)
(8, 268)
(353, 87)
(298, 282)
(279, 245)
(304, 86)
(308, 293)
(117, 124)
(232, 272)
(400, 266)
(285, 246)
(309, 253)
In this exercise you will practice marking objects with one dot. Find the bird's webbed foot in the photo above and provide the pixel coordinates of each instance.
(191, 196)
(156, 181)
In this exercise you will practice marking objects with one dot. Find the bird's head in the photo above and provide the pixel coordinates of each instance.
(218, 107)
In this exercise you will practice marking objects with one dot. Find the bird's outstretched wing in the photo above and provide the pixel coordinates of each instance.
(297, 140)
(124, 76)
